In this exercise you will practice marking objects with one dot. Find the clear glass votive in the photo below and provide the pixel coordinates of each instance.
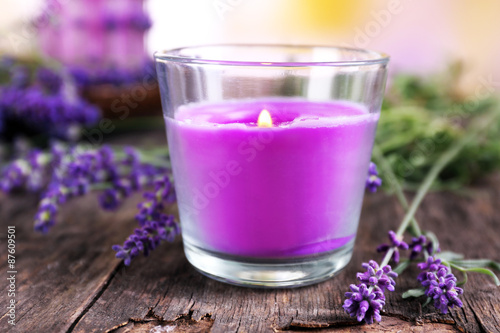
(270, 148)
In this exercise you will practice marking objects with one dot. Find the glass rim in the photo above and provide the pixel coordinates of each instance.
(378, 58)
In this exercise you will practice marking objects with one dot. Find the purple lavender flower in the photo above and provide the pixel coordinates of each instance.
(440, 284)
(376, 276)
(28, 173)
(110, 21)
(140, 21)
(373, 182)
(164, 190)
(67, 172)
(110, 199)
(132, 157)
(155, 226)
(38, 112)
(20, 77)
(79, 168)
(432, 265)
(14, 175)
(36, 179)
(397, 244)
(147, 238)
(420, 245)
(417, 246)
(364, 302)
(152, 207)
(45, 217)
(80, 76)
(57, 194)
(49, 80)
(138, 176)
(34, 103)
(114, 76)
(366, 299)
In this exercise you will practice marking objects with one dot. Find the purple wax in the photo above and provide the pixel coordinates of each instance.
(290, 190)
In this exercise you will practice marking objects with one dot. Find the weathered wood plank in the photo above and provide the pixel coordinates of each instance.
(59, 274)
(69, 279)
(169, 290)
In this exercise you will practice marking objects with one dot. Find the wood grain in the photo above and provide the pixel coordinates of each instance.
(69, 280)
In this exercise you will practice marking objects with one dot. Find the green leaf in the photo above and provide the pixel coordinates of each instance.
(401, 267)
(414, 292)
(472, 263)
(427, 302)
(464, 281)
(486, 272)
(449, 256)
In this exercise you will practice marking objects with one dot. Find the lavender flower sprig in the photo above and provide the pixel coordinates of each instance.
(366, 300)
(440, 284)
(66, 172)
(155, 225)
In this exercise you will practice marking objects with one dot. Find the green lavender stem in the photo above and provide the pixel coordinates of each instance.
(396, 186)
(157, 156)
(443, 160)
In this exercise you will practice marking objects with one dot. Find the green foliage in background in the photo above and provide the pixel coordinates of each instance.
(422, 116)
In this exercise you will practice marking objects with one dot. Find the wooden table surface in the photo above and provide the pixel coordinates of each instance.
(69, 280)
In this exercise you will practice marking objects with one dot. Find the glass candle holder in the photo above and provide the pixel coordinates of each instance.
(270, 148)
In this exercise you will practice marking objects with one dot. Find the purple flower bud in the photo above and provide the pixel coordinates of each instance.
(49, 80)
(140, 21)
(373, 182)
(419, 244)
(397, 244)
(20, 77)
(45, 217)
(110, 199)
(14, 175)
(376, 276)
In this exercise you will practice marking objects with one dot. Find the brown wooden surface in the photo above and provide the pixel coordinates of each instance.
(69, 280)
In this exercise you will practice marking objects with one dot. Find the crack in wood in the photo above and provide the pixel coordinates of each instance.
(99, 293)
(311, 326)
(238, 327)
(152, 314)
(152, 319)
(478, 320)
(305, 326)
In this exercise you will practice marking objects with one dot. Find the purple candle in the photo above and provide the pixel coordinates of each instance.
(270, 147)
(286, 189)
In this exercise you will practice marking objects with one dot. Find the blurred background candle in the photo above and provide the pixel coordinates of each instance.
(422, 36)
(270, 147)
